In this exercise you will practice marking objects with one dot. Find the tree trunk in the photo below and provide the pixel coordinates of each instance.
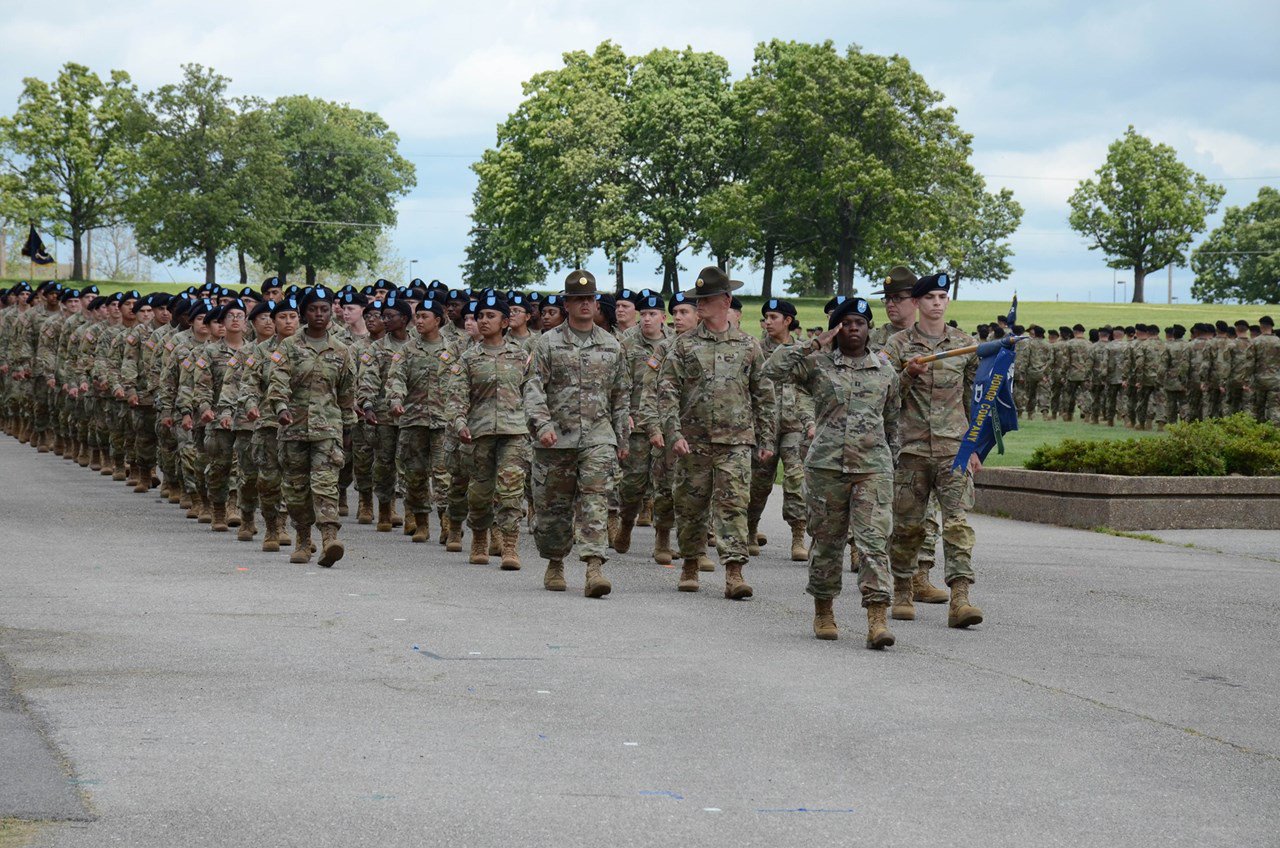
(617, 271)
(4, 251)
(210, 264)
(844, 251)
(281, 271)
(955, 286)
(722, 262)
(770, 252)
(311, 274)
(244, 268)
(77, 255)
(88, 255)
(1139, 277)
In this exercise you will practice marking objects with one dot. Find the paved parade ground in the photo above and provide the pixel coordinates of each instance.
(162, 685)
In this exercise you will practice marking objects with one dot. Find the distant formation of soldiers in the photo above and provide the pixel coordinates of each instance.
(577, 416)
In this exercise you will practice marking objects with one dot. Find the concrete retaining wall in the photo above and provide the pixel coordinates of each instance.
(1130, 503)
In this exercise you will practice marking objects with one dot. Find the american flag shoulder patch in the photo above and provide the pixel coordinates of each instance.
(167, 345)
(445, 356)
(276, 356)
(232, 362)
(202, 363)
(249, 361)
(186, 363)
(396, 357)
(366, 357)
(150, 343)
(653, 363)
(131, 339)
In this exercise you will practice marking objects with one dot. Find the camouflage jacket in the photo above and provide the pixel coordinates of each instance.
(418, 382)
(174, 351)
(711, 389)
(1098, 363)
(254, 381)
(1079, 360)
(315, 380)
(792, 401)
(103, 369)
(640, 354)
(227, 400)
(1176, 365)
(45, 360)
(1200, 363)
(645, 416)
(525, 342)
(486, 390)
(1059, 359)
(1036, 360)
(371, 379)
(1222, 351)
(1242, 366)
(880, 336)
(857, 402)
(1266, 362)
(1117, 356)
(580, 389)
(935, 405)
(1152, 363)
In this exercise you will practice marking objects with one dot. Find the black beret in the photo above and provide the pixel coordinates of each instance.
(270, 283)
(677, 299)
(368, 291)
(417, 281)
(348, 298)
(384, 284)
(234, 303)
(534, 297)
(263, 308)
(432, 305)
(458, 296)
(97, 303)
(88, 290)
(200, 309)
(734, 303)
(518, 299)
(180, 306)
(287, 304)
(851, 306)
(931, 283)
(319, 294)
(651, 301)
(782, 307)
(554, 301)
(216, 314)
(833, 303)
(398, 305)
(1266, 321)
(494, 301)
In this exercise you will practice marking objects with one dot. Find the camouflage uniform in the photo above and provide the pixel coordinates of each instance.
(371, 395)
(1240, 385)
(1060, 355)
(487, 401)
(458, 456)
(1266, 364)
(1199, 362)
(136, 373)
(849, 467)
(1032, 375)
(1078, 360)
(1175, 380)
(220, 444)
(933, 420)
(580, 389)
(712, 394)
(416, 381)
(1149, 362)
(314, 379)
(646, 468)
(359, 465)
(1218, 374)
(264, 445)
(1117, 354)
(793, 409)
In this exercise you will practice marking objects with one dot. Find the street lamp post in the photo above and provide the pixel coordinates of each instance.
(412, 262)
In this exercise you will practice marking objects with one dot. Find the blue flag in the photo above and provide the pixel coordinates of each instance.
(993, 412)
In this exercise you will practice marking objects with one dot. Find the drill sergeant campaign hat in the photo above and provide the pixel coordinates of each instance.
(900, 280)
(851, 306)
(580, 283)
(712, 281)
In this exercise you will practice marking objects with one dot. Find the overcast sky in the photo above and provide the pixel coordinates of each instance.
(1043, 87)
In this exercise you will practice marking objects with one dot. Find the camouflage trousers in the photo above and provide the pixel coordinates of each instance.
(1211, 402)
(309, 471)
(219, 449)
(384, 439)
(1056, 389)
(1174, 403)
(645, 471)
(459, 460)
(914, 479)
(1111, 402)
(1238, 399)
(1266, 405)
(495, 496)
(1148, 405)
(790, 452)
(40, 405)
(849, 509)
(714, 481)
(191, 457)
(167, 452)
(1075, 393)
(426, 474)
(1192, 404)
(932, 529)
(359, 464)
(120, 423)
(264, 451)
(144, 437)
(1034, 395)
(571, 500)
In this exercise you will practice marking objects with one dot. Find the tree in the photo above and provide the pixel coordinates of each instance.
(969, 234)
(344, 175)
(1144, 207)
(70, 153)
(116, 256)
(1240, 260)
(210, 172)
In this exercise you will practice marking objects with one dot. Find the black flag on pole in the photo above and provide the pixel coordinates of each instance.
(34, 248)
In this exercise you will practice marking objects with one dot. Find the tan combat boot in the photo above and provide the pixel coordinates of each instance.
(454, 543)
(553, 579)
(761, 539)
(384, 517)
(645, 517)
(364, 512)
(397, 520)
(753, 545)
(924, 591)
(206, 509)
(479, 547)
(119, 474)
(878, 633)
(662, 553)
(689, 575)
(248, 529)
(233, 509)
(799, 550)
(187, 502)
(270, 540)
(622, 539)
(410, 524)
(824, 619)
(343, 508)
(510, 556)
(706, 563)
(735, 588)
(421, 526)
(302, 551)
(218, 518)
(495, 542)
(443, 521)
(903, 609)
(95, 459)
(962, 613)
(611, 527)
(596, 586)
(331, 550)
(85, 457)
(175, 493)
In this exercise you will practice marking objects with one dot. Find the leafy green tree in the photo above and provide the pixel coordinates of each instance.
(1240, 260)
(968, 234)
(1144, 207)
(210, 171)
(69, 155)
(344, 176)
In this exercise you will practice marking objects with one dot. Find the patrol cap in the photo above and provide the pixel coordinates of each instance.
(931, 283)
(851, 306)
(433, 306)
(650, 301)
(493, 301)
(395, 304)
(900, 280)
(677, 299)
(286, 304)
(263, 308)
(833, 303)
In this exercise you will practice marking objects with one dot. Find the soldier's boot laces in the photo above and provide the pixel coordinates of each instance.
(331, 550)
(878, 633)
(344, 508)
(495, 542)
(479, 547)
(924, 591)
(364, 512)
(735, 588)
(454, 543)
(233, 509)
(218, 519)
(302, 551)
(824, 619)
(962, 613)
(689, 575)
(553, 579)
(903, 608)
(384, 517)
(443, 521)
(410, 524)
(510, 556)
(626, 521)
(596, 586)
(753, 540)
(799, 550)
(248, 529)
(270, 536)
(613, 526)
(421, 526)
(662, 553)
(705, 563)
(645, 516)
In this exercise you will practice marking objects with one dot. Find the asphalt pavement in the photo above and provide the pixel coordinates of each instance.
(191, 690)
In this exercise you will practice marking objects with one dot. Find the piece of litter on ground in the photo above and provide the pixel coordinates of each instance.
(668, 566)
(473, 653)
(544, 691)
(397, 619)
(631, 744)
(352, 595)
(415, 647)
(238, 568)
(710, 809)
(542, 736)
